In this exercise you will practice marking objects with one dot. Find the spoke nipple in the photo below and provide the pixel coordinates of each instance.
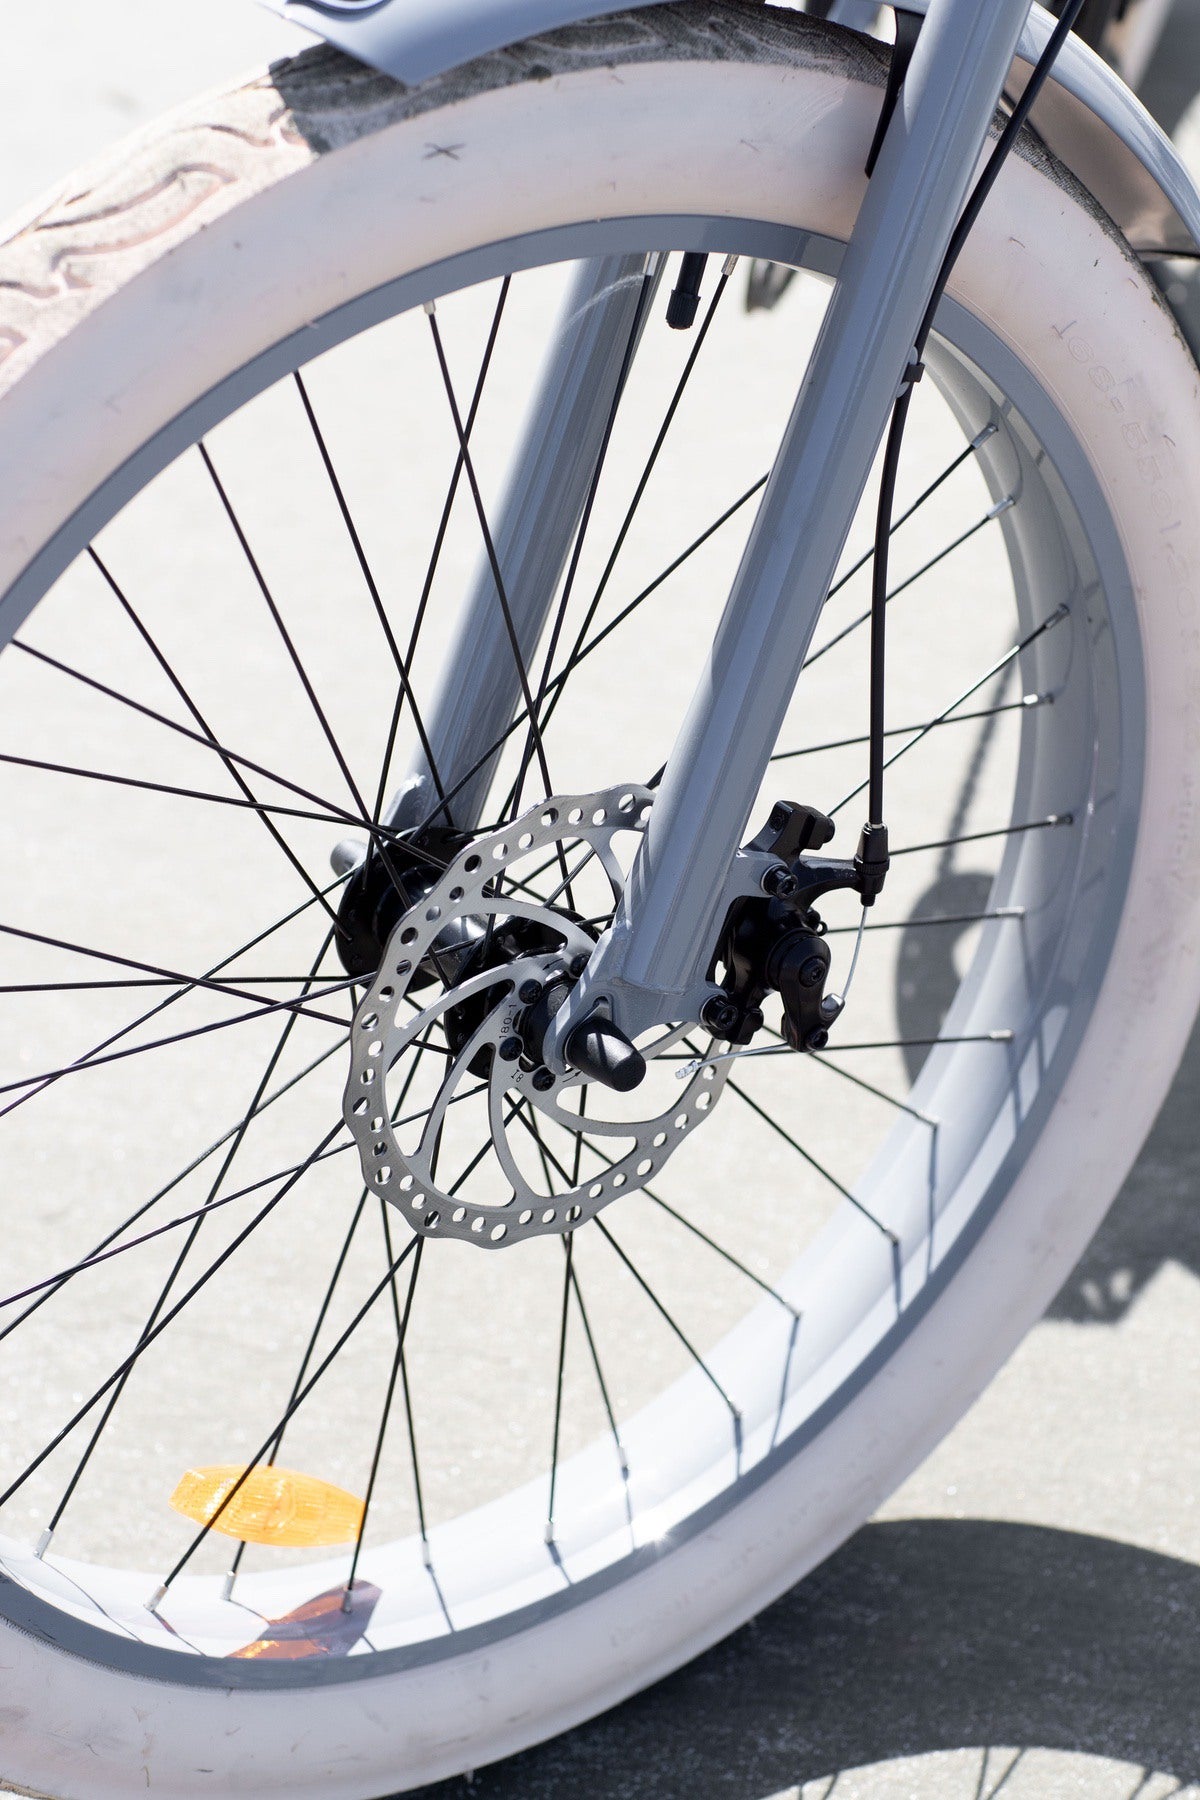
(1002, 506)
(429, 308)
(624, 1461)
(549, 1532)
(156, 1599)
(426, 1553)
(1001, 1037)
(728, 266)
(44, 1542)
(227, 1585)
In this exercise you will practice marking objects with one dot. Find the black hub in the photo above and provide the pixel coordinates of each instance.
(393, 876)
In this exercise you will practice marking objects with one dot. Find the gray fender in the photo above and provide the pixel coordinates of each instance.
(1087, 116)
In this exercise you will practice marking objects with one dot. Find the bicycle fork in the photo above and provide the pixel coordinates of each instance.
(651, 965)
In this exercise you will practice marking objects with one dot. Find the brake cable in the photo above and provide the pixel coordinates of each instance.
(872, 859)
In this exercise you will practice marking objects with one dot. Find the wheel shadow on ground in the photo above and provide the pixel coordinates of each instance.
(920, 1635)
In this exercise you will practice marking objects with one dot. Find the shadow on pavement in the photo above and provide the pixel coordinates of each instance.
(920, 1635)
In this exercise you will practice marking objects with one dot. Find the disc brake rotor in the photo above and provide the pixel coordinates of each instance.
(477, 1029)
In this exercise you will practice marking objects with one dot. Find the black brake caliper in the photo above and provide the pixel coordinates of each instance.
(777, 943)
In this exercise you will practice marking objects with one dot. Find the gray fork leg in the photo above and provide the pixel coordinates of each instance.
(479, 693)
(651, 965)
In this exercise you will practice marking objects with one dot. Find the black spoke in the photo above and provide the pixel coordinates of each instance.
(309, 1351)
(149, 1329)
(1004, 1036)
(555, 687)
(976, 444)
(163, 1043)
(703, 1236)
(62, 1276)
(894, 593)
(147, 1205)
(167, 1319)
(648, 470)
(286, 637)
(418, 1486)
(490, 550)
(812, 1162)
(580, 650)
(602, 1384)
(176, 725)
(909, 924)
(397, 1360)
(174, 999)
(163, 787)
(978, 837)
(160, 1594)
(1048, 624)
(231, 767)
(205, 983)
(879, 1093)
(368, 577)
(435, 559)
(957, 718)
(569, 1246)
(310, 1348)
(635, 330)
(667, 1318)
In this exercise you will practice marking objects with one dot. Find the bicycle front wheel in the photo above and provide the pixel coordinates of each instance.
(261, 382)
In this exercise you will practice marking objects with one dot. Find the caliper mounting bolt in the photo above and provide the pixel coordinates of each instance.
(779, 883)
(720, 1016)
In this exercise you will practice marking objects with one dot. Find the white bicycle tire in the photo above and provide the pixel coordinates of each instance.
(92, 372)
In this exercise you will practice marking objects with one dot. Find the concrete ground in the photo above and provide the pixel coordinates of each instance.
(1023, 1615)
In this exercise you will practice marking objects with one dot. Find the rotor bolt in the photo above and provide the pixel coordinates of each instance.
(528, 992)
(812, 972)
(543, 1080)
(510, 1048)
(577, 965)
(719, 1016)
(780, 883)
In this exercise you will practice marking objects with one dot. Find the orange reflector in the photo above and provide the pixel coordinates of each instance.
(272, 1506)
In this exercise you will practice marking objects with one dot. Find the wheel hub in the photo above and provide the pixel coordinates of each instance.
(484, 1030)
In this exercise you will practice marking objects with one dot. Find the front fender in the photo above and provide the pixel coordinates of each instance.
(1086, 116)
